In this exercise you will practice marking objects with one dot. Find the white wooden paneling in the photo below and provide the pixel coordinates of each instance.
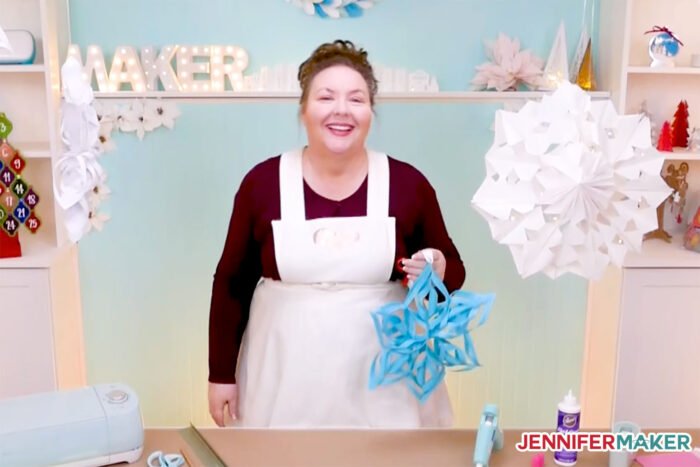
(26, 337)
(658, 371)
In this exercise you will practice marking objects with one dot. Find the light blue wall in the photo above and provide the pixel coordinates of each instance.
(146, 278)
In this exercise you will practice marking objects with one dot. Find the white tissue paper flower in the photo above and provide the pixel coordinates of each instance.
(97, 220)
(159, 113)
(78, 174)
(509, 66)
(79, 126)
(106, 115)
(570, 185)
(98, 194)
(131, 119)
(105, 143)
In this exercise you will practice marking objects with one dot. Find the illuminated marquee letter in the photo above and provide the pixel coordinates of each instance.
(159, 69)
(228, 61)
(94, 65)
(126, 68)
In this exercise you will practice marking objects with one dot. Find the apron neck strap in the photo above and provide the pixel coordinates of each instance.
(292, 206)
(378, 185)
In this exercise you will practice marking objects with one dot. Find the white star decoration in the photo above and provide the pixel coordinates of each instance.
(571, 185)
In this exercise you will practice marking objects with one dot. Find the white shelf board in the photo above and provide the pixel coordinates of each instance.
(657, 254)
(35, 253)
(273, 96)
(646, 70)
(33, 150)
(36, 68)
(681, 154)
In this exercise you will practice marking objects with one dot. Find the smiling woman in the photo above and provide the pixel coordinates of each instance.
(324, 227)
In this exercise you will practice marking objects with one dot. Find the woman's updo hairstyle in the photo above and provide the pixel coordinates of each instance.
(334, 53)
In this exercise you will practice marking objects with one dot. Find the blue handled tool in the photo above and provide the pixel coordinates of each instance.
(488, 437)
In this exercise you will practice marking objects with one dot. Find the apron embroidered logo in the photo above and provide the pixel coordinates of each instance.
(335, 239)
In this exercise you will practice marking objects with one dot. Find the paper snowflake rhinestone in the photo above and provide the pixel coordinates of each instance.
(570, 186)
(419, 337)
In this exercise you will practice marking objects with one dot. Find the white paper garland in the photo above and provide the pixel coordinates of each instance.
(78, 176)
(86, 128)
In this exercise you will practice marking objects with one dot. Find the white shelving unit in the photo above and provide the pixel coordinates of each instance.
(41, 337)
(651, 302)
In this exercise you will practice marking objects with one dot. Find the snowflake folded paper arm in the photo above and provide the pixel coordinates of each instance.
(509, 67)
(333, 8)
(416, 336)
(570, 185)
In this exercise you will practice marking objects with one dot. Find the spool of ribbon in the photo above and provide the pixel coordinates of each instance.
(419, 336)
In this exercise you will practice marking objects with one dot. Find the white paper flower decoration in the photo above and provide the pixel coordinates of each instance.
(159, 113)
(105, 141)
(509, 66)
(333, 8)
(131, 119)
(570, 185)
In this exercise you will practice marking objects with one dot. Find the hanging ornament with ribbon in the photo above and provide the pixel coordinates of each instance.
(664, 46)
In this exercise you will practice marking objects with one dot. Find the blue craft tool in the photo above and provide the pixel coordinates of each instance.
(489, 436)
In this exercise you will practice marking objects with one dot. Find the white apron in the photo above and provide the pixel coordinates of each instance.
(310, 340)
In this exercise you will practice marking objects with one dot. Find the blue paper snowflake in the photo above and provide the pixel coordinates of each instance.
(418, 337)
(334, 8)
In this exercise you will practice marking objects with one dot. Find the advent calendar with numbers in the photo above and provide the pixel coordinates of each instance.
(18, 199)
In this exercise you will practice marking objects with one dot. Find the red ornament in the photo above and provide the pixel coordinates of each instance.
(680, 126)
(32, 223)
(665, 142)
(17, 164)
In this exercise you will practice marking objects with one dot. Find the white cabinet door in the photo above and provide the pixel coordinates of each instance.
(658, 371)
(26, 337)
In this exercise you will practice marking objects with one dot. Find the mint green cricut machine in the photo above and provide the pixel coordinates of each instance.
(93, 426)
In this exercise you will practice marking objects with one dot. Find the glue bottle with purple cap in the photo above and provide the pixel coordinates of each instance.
(568, 419)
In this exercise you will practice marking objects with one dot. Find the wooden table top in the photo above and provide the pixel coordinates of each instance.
(340, 448)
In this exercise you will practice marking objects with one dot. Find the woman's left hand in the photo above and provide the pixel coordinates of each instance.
(414, 266)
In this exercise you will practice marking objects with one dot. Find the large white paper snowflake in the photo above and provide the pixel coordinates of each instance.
(509, 66)
(571, 185)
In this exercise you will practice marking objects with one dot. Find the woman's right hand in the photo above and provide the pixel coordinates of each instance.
(221, 396)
